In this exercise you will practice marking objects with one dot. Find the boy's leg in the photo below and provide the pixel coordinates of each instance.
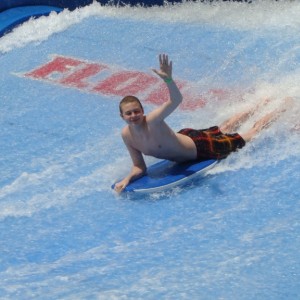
(266, 120)
(232, 124)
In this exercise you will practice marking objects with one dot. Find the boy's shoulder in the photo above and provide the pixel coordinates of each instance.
(125, 131)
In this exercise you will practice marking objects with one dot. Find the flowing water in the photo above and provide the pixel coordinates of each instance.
(231, 235)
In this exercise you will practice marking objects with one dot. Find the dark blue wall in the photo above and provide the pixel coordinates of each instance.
(72, 4)
(6, 4)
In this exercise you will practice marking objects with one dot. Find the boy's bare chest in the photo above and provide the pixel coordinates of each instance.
(150, 142)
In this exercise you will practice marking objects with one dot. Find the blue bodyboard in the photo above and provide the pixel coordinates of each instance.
(167, 174)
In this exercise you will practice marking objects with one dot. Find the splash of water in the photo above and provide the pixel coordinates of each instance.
(260, 15)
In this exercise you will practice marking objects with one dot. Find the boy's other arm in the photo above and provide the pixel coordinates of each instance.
(138, 169)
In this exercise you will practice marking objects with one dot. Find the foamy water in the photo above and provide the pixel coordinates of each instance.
(232, 235)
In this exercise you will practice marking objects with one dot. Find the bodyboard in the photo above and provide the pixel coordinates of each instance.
(166, 174)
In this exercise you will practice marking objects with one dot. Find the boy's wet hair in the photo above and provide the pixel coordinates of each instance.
(129, 99)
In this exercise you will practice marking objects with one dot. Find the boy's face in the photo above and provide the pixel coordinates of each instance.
(132, 113)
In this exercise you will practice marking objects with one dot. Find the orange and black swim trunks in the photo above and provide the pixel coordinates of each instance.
(211, 143)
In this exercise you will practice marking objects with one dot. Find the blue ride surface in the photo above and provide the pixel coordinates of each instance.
(66, 235)
(166, 174)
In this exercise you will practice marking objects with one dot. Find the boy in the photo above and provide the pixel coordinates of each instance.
(150, 135)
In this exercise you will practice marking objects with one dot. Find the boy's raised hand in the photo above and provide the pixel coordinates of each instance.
(165, 71)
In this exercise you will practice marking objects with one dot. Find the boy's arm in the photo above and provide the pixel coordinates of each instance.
(138, 169)
(160, 113)
(175, 99)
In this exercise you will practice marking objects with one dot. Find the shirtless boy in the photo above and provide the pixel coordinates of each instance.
(150, 135)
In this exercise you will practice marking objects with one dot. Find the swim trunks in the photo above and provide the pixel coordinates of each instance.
(211, 143)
